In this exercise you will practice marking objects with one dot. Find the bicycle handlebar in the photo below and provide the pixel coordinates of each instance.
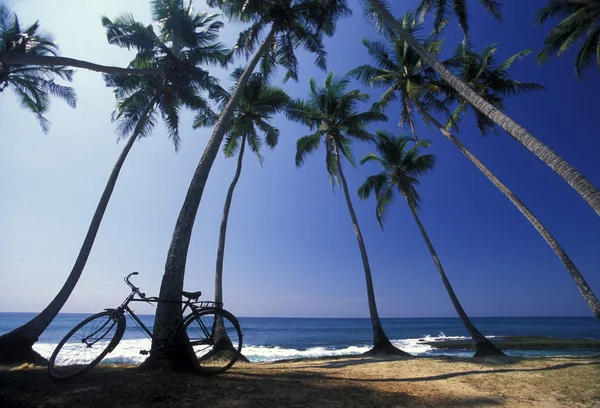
(132, 286)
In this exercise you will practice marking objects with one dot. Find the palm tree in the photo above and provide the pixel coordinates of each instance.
(378, 12)
(400, 70)
(29, 47)
(491, 81)
(581, 23)
(32, 85)
(289, 24)
(405, 77)
(332, 114)
(258, 104)
(140, 99)
(401, 168)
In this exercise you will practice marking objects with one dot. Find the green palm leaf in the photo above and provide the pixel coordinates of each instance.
(32, 85)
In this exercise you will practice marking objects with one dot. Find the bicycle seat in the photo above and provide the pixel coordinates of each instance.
(191, 295)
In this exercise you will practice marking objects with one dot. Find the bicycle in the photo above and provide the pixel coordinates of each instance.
(214, 334)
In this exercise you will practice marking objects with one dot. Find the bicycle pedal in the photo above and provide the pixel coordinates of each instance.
(144, 352)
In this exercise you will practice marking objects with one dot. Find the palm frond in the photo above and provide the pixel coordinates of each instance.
(306, 146)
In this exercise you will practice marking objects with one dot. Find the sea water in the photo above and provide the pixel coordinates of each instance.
(272, 339)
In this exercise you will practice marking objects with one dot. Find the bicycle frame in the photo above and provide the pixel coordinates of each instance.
(124, 307)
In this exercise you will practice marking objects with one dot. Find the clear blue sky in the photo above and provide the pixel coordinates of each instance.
(291, 250)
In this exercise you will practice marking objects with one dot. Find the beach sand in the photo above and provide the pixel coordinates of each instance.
(334, 382)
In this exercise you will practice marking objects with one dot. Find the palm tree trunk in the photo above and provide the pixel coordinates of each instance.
(172, 282)
(381, 343)
(582, 285)
(13, 58)
(16, 346)
(225, 343)
(223, 231)
(575, 179)
(483, 347)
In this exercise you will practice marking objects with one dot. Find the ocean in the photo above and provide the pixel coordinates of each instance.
(272, 339)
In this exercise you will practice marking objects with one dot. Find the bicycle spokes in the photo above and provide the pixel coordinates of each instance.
(84, 346)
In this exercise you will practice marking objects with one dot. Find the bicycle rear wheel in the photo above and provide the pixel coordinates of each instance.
(216, 337)
(86, 345)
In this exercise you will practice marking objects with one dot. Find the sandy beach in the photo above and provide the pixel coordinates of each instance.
(340, 382)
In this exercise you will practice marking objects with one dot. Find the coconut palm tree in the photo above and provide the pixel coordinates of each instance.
(331, 112)
(401, 71)
(33, 85)
(401, 168)
(404, 76)
(258, 104)
(378, 11)
(30, 47)
(580, 24)
(288, 24)
(177, 54)
(491, 81)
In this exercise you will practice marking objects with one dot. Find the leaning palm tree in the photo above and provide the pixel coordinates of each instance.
(580, 24)
(288, 24)
(258, 104)
(405, 77)
(401, 168)
(33, 85)
(331, 112)
(378, 11)
(491, 81)
(177, 54)
(28, 47)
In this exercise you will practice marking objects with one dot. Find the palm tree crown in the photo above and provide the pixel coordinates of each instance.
(33, 85)
(293, 23)
(581, 22)
(402, 166)
(488, 78)
(399, 69)
(332, 113)
(185, 41)
(258, 104)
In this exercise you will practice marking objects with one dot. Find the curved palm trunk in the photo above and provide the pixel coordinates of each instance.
(172, 281)
(16, 346)
(483, 347)
(223, 231)
(13, 58)
(225, 344)
(575, 179)
(381, 343)
(582, 285)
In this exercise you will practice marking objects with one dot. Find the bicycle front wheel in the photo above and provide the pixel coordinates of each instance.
(216, 338)
(86, 345)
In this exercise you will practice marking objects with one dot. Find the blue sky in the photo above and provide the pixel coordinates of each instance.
(291, 250)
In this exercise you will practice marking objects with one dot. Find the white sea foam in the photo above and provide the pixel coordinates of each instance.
(264, 353)
(128, 351)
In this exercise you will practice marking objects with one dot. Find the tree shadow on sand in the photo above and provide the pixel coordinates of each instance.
(341, 364)
(240, 387)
